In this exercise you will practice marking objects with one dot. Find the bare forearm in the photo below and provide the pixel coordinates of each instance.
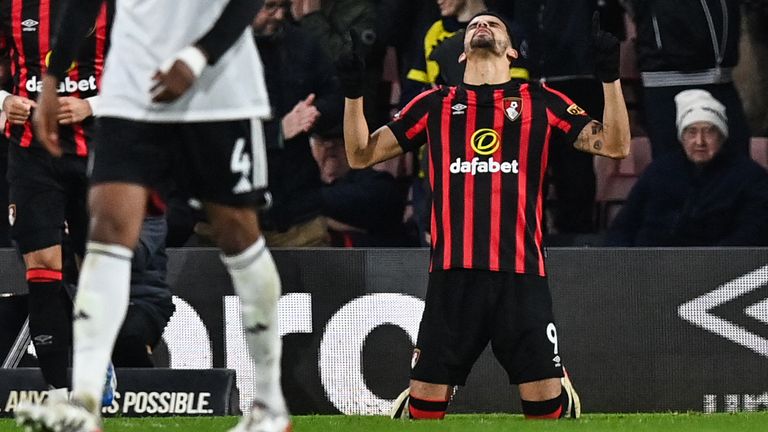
(615, 121)
(356, 133)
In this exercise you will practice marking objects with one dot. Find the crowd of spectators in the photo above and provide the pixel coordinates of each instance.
(668, 47)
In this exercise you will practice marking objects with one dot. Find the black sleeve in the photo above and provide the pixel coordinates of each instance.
(234, 19)
(749, 227)
(566, 118)
(77, 18)
(410, 124)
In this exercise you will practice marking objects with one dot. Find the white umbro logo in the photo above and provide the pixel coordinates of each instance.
(458, 108)
(29, 24)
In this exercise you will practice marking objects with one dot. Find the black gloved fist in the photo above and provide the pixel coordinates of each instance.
(350, 67)
(606, 49)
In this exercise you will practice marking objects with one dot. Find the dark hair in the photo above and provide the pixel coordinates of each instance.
(503, 20)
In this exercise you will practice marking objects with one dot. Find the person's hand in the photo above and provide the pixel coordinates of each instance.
(606, 49)
(302, 8)
(17, 109)
(73, 110)
(350, 67)
(301, 118)
(170, 85)
(45, 118)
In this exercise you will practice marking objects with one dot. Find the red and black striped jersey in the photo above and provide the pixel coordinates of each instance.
(487, 149)
(26, 27)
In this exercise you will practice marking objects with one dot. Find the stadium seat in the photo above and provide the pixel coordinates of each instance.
(615, 179)
(758, 149)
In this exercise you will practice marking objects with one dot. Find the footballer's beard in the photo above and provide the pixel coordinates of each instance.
(486, 43)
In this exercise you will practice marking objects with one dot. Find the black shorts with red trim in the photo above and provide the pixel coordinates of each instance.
(466, 309)
(220, 162)
(46, 194)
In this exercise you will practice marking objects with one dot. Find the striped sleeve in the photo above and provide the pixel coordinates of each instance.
(565, 117)
(410, 124)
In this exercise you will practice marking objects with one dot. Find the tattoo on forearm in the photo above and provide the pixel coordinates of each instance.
(596, 128)
(597, 145)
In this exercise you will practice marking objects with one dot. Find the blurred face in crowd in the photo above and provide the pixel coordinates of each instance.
(331, 157)
(450, 7)
(271, 17)
(702, 141)
(486, 33)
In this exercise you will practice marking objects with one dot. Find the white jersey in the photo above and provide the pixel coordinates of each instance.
(146, 33)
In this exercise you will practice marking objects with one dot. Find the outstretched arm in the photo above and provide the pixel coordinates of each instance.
(364, 150)
(611, 137)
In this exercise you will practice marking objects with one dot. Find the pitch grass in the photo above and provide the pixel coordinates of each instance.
(672, 422)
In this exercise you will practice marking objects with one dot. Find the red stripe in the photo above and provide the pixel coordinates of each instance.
(43, 275)
(417, 414)
(433, 233)
(81, 147)
(44, 33)
(562, 96)
(416, 99)
(445, 142)
(540, 200)
(16, 19)
(557, 122)
(347, 240)
(469, 183)
(417, 128)
(522, 180)
(101, 43)
(495, 233)
(553, 416)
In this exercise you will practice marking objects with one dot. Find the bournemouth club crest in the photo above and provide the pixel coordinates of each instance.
(513, 106)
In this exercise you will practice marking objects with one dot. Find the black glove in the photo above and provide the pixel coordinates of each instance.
(606, 49)
(350, 67)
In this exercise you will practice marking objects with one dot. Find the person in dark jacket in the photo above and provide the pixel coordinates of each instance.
(686, 44)
(151, 305)
(698, 195)
(303, 90)
(363, 207)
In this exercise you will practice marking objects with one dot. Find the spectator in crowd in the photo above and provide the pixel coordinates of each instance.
(363, 207)
(332, 22)
(688, 44)
(698, 195)
(442, 47)
(563, 59)
(303, 90)
(151, 306)
(443, 60)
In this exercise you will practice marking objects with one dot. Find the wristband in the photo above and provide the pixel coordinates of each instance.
(192, 57)
(95, 103)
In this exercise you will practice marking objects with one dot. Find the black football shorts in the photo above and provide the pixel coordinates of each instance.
(219, 162)
(45, 195)
(465, 309)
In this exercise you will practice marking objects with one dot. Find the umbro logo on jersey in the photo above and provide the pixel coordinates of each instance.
(459, 108)
(29, 25)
